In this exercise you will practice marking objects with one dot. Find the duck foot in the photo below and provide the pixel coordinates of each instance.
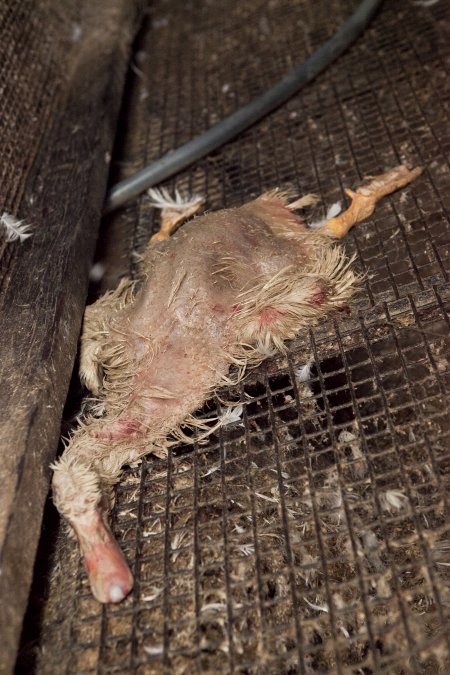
(366, 197)
(109, 575)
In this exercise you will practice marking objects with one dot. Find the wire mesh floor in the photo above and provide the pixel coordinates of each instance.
(312, 535)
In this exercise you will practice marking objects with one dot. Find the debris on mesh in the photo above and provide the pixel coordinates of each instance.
(291, 529)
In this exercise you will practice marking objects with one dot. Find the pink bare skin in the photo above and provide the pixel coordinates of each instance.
(176, 333)
(195, 327)
(109, 575)
(228, 286)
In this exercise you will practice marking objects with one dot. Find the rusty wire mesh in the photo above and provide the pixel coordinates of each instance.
(313, 535)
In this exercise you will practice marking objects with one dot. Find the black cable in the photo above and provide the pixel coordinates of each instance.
(230, 127)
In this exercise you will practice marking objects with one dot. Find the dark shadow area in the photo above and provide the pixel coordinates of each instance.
(32, 625)
(31, 631)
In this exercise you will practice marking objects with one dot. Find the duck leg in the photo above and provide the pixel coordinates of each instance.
(79, 495)
(365, 198)
(230, 288)
(110, 577)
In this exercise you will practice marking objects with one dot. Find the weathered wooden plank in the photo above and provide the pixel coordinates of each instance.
(75, 58)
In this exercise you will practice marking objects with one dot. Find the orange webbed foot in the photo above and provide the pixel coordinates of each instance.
(364, 199)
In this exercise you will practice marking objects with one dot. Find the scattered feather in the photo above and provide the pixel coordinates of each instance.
(161, 199)
(177, 543)
(332, 212)
(303, 374)
(442, 547)
(309, 571)
(284, 474)
(346, 437)
(157, 650)
(246, 549)
(215, 467)
(393, 500)
(266, 498)
(344, 632)
(137, 71)
(231, 415)
(15, 228)
(214, 607)
(318, 608)
(155, 593)
(371, 547)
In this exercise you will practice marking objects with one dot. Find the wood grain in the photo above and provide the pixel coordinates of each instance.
(59, 189)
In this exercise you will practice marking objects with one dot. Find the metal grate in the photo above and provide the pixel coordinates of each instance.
(314, 536)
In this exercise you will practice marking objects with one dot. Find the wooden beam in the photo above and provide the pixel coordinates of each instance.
(74, 61)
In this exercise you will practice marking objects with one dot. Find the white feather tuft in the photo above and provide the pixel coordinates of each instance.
(161, 199)
(318, 608)
(156, 650)
(212, 607)
(393, 500)
(245, 549)
(155, 593)
(15, 228)
(265, 350)
(215, 467)
(332, 212)
(303, 374)
(231, 415)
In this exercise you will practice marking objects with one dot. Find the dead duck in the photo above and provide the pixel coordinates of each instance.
(227, 289)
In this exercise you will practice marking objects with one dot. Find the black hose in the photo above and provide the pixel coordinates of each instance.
(230, 127)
